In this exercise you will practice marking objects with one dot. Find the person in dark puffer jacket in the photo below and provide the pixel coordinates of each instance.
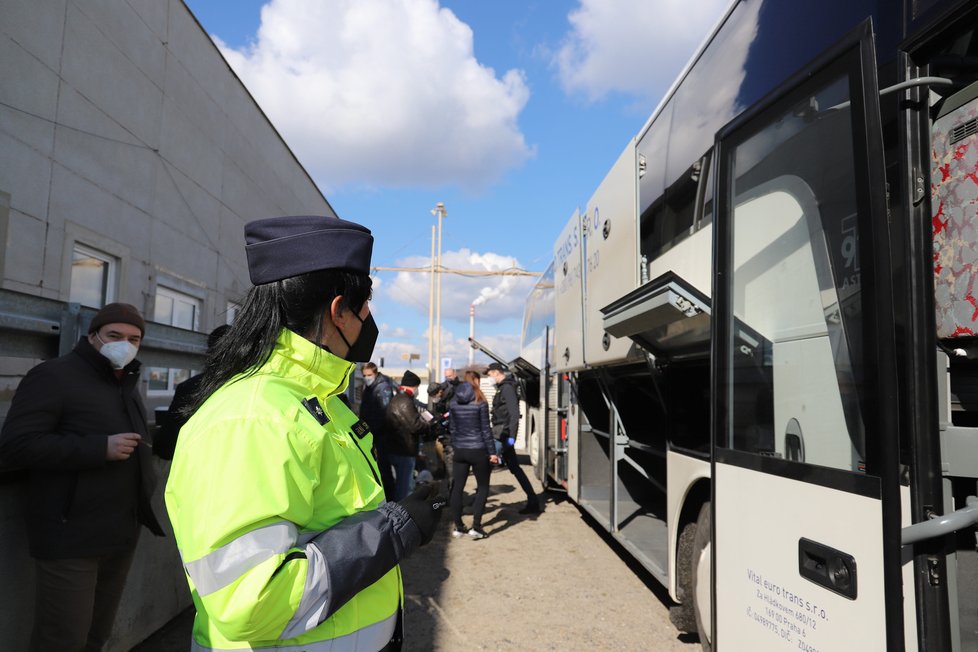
(472, 442)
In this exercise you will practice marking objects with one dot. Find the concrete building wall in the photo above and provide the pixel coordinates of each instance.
(123, 129)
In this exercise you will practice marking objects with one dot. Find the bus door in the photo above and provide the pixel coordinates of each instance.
(806, 510)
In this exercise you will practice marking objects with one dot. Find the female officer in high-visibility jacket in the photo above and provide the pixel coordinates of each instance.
(274, 493)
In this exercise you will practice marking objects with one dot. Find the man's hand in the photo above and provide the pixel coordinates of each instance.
(121, 446)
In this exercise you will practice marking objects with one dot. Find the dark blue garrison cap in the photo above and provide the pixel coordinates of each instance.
(282, 247)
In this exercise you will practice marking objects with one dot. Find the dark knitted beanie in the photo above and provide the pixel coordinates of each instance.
(410, 379)
(117, 313)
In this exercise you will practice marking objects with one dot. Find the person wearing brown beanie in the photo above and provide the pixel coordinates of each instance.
(89, 480)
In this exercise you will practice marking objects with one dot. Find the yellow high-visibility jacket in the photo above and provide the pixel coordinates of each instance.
(279, 513)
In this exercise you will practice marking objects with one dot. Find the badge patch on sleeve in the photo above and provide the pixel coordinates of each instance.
(360, 428)
(312, 404)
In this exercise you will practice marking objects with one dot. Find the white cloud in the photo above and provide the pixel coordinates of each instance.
(506, 346)
(498, 297)
(453, 346)
(383, 93)
(633, 47)
(391, 352)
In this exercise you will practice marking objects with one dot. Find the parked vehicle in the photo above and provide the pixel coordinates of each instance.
(754, 353)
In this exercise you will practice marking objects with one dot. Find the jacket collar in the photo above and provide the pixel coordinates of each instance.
(296, 357)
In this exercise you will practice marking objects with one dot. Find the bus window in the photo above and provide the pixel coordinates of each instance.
(796, 358)
(676, 221)
(538, 316)
(705, 211)
(652, 148)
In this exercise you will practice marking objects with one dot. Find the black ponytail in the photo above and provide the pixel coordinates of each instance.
(298, 303)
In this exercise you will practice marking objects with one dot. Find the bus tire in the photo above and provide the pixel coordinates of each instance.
(683, 616)
(702, 565)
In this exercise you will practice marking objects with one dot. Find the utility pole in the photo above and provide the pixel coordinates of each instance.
(431, 310)
(441, 213)
(512, 271)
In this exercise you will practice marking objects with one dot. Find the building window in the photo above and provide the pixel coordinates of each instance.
(92, 277)
(174, 309)
(232, 312)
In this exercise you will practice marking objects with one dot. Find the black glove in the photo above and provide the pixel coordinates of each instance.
(425, 508)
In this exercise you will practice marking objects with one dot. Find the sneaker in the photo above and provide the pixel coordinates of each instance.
(477, 534)
(458, 532)
(532, 507)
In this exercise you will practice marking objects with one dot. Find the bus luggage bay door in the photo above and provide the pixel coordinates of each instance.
(805, 504)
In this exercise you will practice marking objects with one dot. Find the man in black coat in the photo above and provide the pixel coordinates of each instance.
(505, 425)
(377, 392)
(76, 423)
(406, 427)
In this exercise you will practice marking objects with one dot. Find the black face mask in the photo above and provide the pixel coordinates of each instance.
(363, 348)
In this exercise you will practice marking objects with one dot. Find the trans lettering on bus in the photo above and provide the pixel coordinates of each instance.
(568, 246)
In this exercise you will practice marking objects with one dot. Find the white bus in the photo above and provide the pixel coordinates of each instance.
(757, 352)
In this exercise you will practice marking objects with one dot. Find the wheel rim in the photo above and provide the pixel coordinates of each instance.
(702, 592)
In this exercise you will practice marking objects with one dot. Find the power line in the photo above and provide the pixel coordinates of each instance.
(512, 271)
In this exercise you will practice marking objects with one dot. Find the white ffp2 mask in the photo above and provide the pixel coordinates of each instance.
(118, 353)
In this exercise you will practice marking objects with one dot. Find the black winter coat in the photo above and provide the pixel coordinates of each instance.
(405, 426)
(505, 410)
(78, 503)
(165, 439)
(468, 421)
(373, 405)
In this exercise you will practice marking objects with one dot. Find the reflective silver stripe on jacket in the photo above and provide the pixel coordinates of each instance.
(218, 569)
(366, 639)
(315, 595)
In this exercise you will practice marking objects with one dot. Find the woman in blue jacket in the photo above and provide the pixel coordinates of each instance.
(474, 448)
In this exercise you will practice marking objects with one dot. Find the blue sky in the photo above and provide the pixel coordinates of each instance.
(510, 112)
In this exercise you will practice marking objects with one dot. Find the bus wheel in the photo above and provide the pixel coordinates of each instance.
(702, 567)
(683, 615)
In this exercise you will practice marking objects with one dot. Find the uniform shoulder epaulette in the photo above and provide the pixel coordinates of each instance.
(316, 410)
